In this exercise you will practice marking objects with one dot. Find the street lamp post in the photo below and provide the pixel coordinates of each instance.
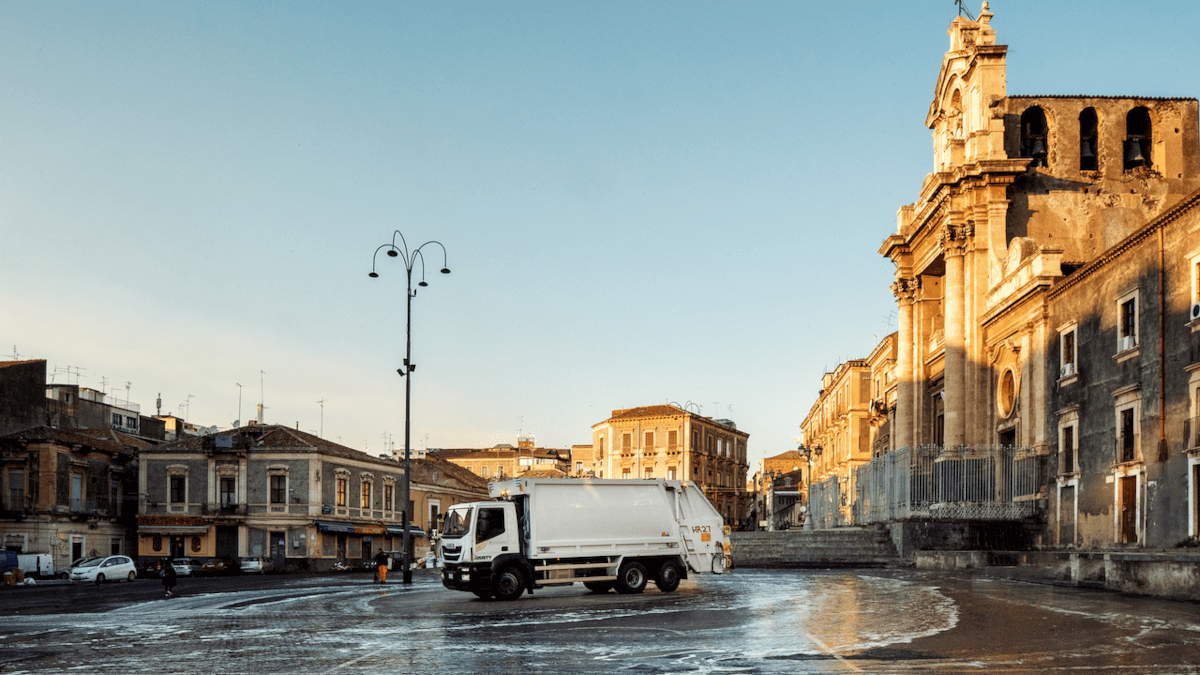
(807, 453)
(409, 258)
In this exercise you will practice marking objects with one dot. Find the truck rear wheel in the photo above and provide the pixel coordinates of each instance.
(598, 586)
(631, 578)
(668, 576)
(509, 584)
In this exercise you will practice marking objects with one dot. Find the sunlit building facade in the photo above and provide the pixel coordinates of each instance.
(1045, 280)
(664, 441)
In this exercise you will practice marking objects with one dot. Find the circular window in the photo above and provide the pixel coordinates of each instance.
(1008, 392)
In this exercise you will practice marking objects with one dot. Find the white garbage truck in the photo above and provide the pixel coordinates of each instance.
(607, 534)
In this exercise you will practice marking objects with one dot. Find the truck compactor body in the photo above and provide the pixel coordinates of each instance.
(607, 534)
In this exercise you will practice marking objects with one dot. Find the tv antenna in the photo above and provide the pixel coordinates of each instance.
(322, 404)
(962, 9)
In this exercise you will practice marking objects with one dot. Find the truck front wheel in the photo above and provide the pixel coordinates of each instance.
(509, 584)
(668, 576)
(631, 578)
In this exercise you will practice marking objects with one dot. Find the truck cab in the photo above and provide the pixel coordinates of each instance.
(476, 538)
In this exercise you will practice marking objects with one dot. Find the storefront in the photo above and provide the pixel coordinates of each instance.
(175, 537)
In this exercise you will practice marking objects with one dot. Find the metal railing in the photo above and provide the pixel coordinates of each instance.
(929, 482)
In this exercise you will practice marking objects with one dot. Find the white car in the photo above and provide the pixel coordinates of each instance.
(257, 565)
(99, 570)
(186, 567)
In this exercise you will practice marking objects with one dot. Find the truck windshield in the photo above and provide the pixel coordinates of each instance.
(458, 522)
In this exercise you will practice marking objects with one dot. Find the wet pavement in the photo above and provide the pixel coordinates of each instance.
(751, 621)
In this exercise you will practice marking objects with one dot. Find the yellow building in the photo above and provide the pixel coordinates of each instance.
(839, 424)
(663, 441)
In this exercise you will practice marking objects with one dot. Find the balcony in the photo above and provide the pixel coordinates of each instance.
(223, 510)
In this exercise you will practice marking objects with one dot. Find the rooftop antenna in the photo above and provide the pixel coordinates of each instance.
(103, 382)
(962, 9)
(322, 404)
(239, 417)
(158, 403)
(262, 395)
(128, 386)
(189, 407)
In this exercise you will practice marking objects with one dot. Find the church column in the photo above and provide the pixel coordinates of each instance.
(955, 400)
(905, 292)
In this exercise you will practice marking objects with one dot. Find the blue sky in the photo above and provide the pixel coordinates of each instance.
(641, 202)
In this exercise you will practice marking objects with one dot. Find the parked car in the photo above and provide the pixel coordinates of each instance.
(150, 568)
(99, 570)
(222, 565)
(257, 565)
(186, 567)
(66, 574)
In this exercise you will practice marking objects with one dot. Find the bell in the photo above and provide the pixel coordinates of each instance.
(1085, 149)
(1038, 149)
(1133, 151)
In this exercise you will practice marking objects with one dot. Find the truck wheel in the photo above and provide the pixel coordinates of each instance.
(631, 578)
(509, 584)
(668, 576)
(598, 586)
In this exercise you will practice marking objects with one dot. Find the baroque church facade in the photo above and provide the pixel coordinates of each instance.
(1047, 281)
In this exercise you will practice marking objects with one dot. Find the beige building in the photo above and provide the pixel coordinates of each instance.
(839, 424)
(882, 408)
(505, 461)
(663, 441)
(584, 462)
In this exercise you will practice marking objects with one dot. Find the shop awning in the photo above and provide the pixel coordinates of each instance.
(173, 529)
(348, 528)
(413, 530)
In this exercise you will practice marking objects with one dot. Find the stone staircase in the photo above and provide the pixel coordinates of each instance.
(819, 549)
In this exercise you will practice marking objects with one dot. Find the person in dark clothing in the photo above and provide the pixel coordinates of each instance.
(381, 561)
(169, 577)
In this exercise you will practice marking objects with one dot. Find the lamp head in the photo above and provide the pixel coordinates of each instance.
(422, 283)
(445, 270)
(392, 252)
(373, 275)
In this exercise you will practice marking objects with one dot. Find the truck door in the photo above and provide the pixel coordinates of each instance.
(493, 534)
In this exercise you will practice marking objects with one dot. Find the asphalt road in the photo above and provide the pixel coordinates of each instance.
(750, 621)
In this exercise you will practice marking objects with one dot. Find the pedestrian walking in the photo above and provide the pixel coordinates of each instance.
(381, 562)
(169, 577)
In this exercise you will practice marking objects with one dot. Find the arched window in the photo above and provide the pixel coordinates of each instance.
(1139, 138)
(1089, 134)
(1033, 135)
